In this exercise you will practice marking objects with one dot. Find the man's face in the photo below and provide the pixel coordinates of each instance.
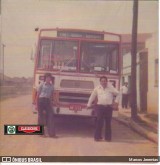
(48, 79)
(103, 82)
(126, 84)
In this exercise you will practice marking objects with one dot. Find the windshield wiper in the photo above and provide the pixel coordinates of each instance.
(68, 61)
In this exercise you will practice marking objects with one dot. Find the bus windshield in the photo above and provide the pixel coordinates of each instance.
(99, 57)
(63, 55)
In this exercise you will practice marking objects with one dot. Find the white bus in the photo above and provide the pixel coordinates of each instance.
(76, 59)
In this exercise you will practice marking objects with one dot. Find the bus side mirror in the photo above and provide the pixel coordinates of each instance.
(32, 54)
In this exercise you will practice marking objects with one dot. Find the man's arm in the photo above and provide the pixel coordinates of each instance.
(38, 93)
(92, 98)
(115, 93)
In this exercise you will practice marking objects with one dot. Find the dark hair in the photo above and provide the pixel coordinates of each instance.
(47, 75)
(103, 77)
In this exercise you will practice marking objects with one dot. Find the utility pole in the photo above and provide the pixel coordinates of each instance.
(3, 46)
(134, 62)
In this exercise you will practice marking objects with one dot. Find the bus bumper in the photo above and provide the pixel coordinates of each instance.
(83, 112)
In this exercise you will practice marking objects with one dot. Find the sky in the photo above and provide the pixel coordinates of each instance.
(19, 18)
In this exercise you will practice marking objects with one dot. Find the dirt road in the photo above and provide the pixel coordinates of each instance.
(75, 136)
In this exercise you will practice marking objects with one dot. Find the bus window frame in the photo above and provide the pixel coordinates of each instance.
(105, 42)
(39, 52)
(52, 40)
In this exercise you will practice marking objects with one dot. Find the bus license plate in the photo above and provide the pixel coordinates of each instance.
(75, 107)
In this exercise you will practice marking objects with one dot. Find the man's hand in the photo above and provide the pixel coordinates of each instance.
(115, 106)
(36, 107)
(88, 107)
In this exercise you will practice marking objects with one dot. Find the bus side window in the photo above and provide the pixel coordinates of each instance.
(113, 61)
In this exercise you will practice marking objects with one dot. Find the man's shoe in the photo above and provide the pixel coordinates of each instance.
(43, 136)
(54, 136)
(97, 140)
(108, 140)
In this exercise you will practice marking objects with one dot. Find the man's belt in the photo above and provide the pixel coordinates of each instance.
(106, 106)
(45, 98)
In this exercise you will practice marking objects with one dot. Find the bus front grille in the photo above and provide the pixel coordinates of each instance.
(68, 97)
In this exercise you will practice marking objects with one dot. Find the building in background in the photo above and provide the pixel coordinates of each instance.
(153, 63)
(147, 70)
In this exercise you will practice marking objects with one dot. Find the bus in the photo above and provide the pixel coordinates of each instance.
(76, 59)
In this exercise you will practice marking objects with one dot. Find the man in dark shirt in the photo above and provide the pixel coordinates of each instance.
(44, 100)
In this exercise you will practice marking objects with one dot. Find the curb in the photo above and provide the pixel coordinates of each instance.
(149, 123)
(136, 127)
(148, 134)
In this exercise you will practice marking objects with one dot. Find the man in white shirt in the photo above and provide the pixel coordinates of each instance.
(124, 90)
(105, 95)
